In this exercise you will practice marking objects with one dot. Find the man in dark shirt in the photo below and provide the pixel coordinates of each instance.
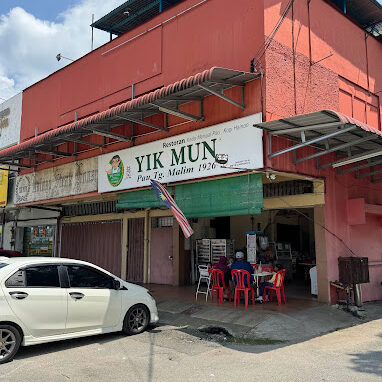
(240, 263)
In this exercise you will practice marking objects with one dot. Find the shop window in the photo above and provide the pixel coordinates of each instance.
(90, 208)
(162, 222)
(83, 277)
(293, 187)
(39, 240)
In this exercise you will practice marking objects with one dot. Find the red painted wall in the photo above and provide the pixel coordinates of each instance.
(345, 82)
(319, 31)
(212, 34)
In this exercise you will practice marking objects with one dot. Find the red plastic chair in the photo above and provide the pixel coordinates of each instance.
(267, 269)
(238, 276)
(218, 284)
(280, 275)
(255, 266)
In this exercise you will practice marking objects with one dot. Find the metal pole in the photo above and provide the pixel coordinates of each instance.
(92, 31)
(357, 295)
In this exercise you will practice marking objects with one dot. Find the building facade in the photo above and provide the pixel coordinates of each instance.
(202, 78)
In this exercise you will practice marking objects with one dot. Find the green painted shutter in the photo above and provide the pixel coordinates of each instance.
(240, 195)
(139, 199)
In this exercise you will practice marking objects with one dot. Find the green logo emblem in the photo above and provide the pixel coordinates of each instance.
(114, 171)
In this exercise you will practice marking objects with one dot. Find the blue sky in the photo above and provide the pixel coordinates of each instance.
(42, 9)
(33, 32)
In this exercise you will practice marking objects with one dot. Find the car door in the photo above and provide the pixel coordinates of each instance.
(92, 300)
(35, 296)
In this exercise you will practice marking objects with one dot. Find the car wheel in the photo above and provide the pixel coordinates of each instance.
(10, 340)
(136, 320)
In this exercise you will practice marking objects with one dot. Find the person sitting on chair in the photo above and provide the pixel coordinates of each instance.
(269, 283)
(222, 266)
(240, 263)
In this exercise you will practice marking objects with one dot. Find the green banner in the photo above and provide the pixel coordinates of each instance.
(239, 195)
(139, 199)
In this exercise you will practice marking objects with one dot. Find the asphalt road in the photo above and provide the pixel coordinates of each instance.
(168, 353)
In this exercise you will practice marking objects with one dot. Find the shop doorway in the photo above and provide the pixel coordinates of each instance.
(161, 251)
(98, 243)
(290, 238)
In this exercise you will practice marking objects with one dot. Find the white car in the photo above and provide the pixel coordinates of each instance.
(52, 299)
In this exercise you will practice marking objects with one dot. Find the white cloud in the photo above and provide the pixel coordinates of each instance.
(29, 45)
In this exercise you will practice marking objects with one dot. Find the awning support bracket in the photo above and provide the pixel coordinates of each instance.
(221, 95)
(53, 152)
(335, 148)
(177, 112)
(108, 133)
(142, 122)
(360, 167)
(311, 141)
(82, 142)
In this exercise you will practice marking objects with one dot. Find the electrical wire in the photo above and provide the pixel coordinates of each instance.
(263, 48)
(320, 225)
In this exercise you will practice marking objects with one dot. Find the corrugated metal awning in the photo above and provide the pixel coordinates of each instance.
(358, 146)
(165, 100)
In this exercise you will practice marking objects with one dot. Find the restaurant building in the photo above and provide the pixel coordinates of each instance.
(289, 91)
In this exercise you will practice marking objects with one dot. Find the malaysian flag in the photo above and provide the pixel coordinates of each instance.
(166, 198)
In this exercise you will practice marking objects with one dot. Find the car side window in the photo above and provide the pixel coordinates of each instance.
(38, 276)
(42, 276)
(84, 277)
(16, 280)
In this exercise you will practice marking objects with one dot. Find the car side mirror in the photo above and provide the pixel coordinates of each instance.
(117, 284)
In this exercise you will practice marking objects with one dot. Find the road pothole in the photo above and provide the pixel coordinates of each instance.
(223, 335)
(215, 330)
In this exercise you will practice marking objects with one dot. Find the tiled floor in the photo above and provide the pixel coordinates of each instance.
(297, 298)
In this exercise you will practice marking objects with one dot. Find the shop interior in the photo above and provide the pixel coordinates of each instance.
(283, 236)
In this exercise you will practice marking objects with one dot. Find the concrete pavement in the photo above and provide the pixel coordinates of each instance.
(267, 320)
(168, 353)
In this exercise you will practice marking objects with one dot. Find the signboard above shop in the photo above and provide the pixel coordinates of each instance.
(10, 121)
(184, 157)
(69, 179)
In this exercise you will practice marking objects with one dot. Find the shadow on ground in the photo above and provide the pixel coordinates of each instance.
(370, 362)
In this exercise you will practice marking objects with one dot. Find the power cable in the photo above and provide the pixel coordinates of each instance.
(320, 225)
(263, 48)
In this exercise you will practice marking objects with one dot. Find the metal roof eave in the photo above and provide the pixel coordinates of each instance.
(165, 100)
(131, 14)
(352, 141)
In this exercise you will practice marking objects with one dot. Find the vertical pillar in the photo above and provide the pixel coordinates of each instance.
(124, 248)
(321, 255)
(146, 248)
(176, 253)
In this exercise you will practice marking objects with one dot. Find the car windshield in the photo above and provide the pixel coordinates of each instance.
(2, 265)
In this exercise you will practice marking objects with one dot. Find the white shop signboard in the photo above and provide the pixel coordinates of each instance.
(74, 178)
(183, 157)
(10, 121)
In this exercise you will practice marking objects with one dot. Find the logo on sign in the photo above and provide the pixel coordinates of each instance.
(114, 171)
(4, 122)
